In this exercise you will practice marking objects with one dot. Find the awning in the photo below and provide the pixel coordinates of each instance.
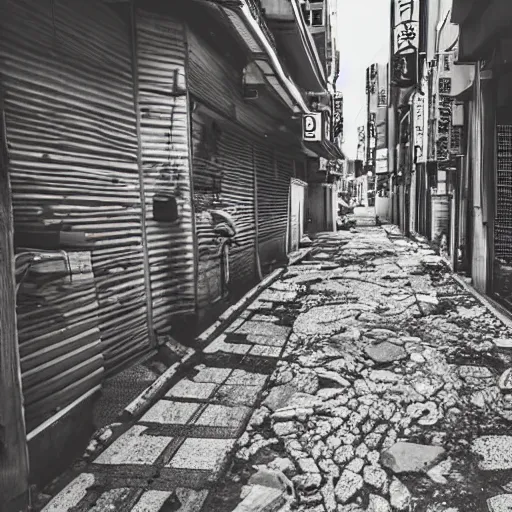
(325, 149)
(464, 95)
(463, 78)
(479, 32)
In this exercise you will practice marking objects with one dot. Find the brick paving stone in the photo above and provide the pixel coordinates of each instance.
(188, 389)
(220, 345)
(133, 447)
(169, 412)
(223, 416)
(277, 296)
(151, 501)
(191, 501)
(241, 377)
(71, 495)
(260, 304)
(263, 329)
(212, 374)
(182, 500)
(266, 351)
(271, 341)
(202, 454)
(111, 500)
(264, 318)
(237, 395)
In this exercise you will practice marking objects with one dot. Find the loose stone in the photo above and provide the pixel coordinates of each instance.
(376, 477)
(406, 457)
(378, 504)
(399, 495)
(348, 485)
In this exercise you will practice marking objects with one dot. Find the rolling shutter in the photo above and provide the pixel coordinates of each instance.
(210, 78)
(71, 129)
(223, 180)
(274, 175)
(238, 193)
(165, 157)
(60, 345)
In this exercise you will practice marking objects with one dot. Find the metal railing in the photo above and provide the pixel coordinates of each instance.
(258, 13)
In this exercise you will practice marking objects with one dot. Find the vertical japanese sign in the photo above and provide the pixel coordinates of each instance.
(419, 128)
(338, 115)
(382, 100)
(382, 107)
(406, 28)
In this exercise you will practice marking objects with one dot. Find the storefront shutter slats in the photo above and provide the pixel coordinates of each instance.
(161, 55)
(71, 129)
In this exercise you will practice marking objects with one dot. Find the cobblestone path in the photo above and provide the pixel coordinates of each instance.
(366, 375)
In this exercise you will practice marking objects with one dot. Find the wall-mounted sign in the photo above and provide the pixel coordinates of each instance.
(381, 166)
(405, 37)
(420, 155)
(338, 115)
(312, 125)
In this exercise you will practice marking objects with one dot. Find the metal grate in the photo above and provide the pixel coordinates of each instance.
(503, 224)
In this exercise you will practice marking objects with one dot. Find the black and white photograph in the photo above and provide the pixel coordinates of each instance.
(255, 256)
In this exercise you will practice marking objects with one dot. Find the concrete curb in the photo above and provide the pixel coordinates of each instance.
(498, 311)
(144, 401)
(491, 305)
(228, 316)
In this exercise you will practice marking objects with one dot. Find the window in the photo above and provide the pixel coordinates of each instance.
(306, 13)
(317, 17)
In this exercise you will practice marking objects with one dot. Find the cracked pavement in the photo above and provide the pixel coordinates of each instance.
(364, 379)
(386, 396)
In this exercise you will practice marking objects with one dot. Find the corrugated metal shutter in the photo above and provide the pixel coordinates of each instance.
(274, 175)
(210, 77)
(71, 127)
(161, 55)
(236, 156)
(60, 346)
(230, 157)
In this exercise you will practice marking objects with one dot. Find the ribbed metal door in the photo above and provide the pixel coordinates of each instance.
(274, 174)
(236, 156)
(223, 178)
(162, 100)
(71, 128)
(210, 77)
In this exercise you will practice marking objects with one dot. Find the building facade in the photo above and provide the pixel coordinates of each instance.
(449, 134)
(159, 156)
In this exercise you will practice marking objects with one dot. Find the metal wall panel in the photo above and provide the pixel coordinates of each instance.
(274, 174)
(223, 180)
(71, 128)
(163, 107)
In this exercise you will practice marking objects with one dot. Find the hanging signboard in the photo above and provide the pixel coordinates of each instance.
(405, 40)
(338, 115)
(382, 84)
(420, 155)
(312, 127)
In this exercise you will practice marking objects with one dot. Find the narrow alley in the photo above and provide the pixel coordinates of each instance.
(365, 378)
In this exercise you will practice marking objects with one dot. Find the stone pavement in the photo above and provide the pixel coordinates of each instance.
(366, 375)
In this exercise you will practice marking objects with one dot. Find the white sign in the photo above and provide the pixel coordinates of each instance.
(381, 154)
(406, 37)
(419, 124)
(381, 166)
(312, 127)
(406, 30)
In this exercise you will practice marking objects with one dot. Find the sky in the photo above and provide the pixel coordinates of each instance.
(363, 39)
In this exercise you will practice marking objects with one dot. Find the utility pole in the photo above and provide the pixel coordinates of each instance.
(13, 443)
